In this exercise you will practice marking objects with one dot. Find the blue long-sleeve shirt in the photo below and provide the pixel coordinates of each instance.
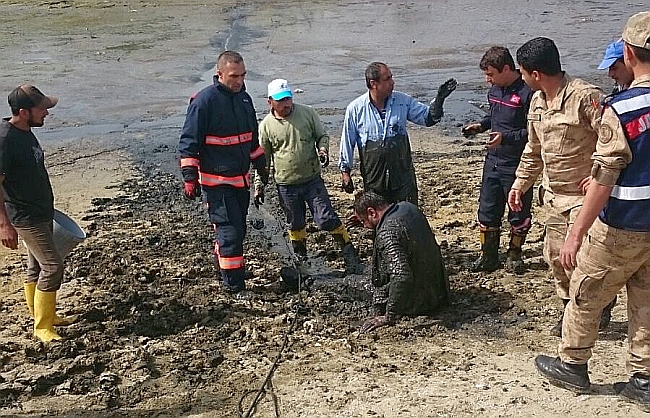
(383, 143)
(363, 123)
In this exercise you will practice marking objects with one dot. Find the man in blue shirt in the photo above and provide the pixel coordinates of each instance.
(376, 123)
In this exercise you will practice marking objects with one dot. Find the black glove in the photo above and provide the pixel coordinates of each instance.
(258, 199)
(435, 109)
(347, 186)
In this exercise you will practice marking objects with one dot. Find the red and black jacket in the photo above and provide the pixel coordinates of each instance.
(508, 110)
(220, 138)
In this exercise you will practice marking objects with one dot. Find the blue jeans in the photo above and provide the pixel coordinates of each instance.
(314, 194)
(44, 264)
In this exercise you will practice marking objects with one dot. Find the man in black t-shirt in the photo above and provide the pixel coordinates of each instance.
(27, 205)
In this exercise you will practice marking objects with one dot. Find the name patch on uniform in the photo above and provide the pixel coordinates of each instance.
(535, 117)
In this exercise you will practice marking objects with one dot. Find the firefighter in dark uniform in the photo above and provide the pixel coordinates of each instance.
(509, 99)
(217, 145)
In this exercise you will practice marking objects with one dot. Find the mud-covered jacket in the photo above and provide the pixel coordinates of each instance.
(220, 138)
(408, 271)
(508, 109)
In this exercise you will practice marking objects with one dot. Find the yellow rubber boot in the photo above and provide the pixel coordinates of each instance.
(29, 296)
(44, 314)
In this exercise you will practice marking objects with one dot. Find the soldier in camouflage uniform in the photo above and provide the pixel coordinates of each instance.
(563, 123)
(616, 250)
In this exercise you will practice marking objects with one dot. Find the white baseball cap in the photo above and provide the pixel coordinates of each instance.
(279, 89)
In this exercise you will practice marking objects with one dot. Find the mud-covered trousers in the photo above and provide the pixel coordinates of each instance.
(609, 259)
(44, 264)
(227, 207)
(495, 186)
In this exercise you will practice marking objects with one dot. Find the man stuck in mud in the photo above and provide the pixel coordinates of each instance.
(615, 219)
(27, 206)
(509, 99)
(408, 273)
(295, 142)
(375, 123)
(217, 145)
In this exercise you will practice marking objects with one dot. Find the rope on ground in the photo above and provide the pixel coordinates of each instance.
(81, 157)
(267, 386)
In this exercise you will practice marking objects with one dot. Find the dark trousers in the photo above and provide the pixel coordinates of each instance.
(294, 200)
(228, 208)
(493, 198)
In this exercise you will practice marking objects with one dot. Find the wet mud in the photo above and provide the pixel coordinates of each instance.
(158, 336)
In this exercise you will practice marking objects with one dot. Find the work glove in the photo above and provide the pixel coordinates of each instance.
(435, 107)
(192, 189)
(324, 158)
(347, 185)
(258, 197)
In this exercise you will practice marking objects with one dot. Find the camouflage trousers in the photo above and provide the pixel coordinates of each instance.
(609, 259)
(557, 227)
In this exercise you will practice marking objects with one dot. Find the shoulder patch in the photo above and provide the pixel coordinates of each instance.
(535, 117)
(605, 134)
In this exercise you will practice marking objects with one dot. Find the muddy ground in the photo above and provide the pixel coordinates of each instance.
(157, 336)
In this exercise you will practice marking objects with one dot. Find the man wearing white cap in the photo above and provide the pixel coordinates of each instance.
(297, 146)
(616, 69)
(27, 206)
(615, 218)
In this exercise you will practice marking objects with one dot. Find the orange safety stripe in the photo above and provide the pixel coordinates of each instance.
(257, 153)
(228, 140)
(230, 263)
(216, 248)
(190, 162)
(206, 179)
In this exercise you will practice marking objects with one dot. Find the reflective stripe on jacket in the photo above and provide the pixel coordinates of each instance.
(629, 205)
(219, 139)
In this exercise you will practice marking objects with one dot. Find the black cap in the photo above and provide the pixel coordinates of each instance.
(28, 96)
